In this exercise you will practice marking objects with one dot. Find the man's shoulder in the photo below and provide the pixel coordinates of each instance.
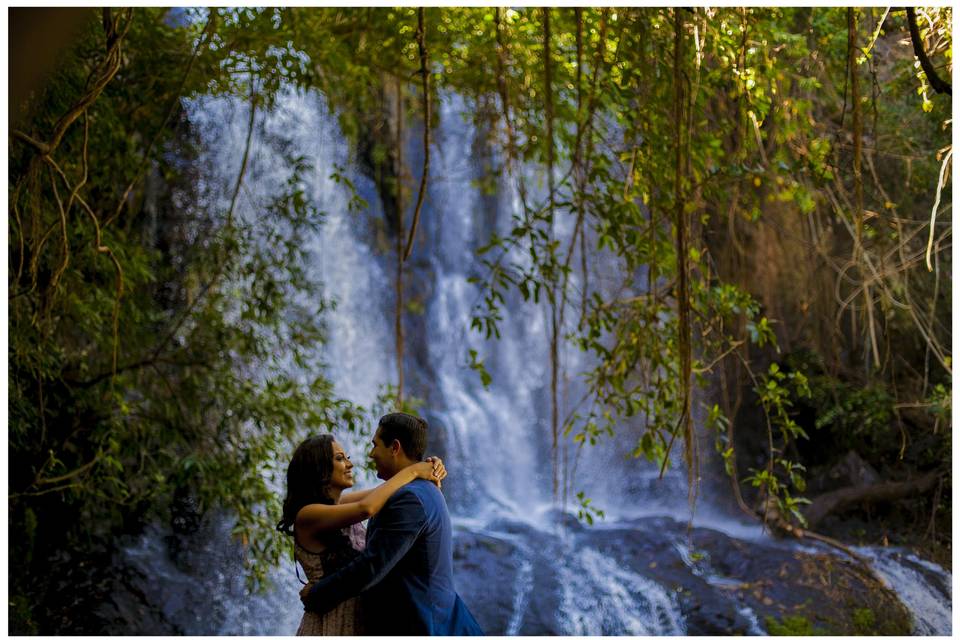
(421, 491)
(424, 488)
(408, 494)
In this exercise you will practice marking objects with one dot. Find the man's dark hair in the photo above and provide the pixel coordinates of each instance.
(409, 430)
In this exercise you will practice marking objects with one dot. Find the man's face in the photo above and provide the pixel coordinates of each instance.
(382, 458)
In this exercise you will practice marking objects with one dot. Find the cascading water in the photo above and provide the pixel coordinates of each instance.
(925, 587)
(523, 566)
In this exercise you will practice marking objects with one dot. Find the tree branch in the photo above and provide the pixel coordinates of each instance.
(111, 64)
(69, 475)
(939, 85)
(848, 497)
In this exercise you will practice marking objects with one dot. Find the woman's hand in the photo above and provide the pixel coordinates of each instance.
(431, 469)
(439, 471)
(305, 591)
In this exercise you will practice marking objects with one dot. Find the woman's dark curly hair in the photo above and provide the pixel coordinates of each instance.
(308, 482)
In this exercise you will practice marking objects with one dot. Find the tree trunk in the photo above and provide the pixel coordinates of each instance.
(848, 497)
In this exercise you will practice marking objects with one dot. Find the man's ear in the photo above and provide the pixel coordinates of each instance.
(395, 448)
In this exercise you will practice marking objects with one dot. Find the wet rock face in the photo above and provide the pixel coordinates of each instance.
(777, 582)
(163, 583)
(486, 567)
(96, 593)
(650, 576)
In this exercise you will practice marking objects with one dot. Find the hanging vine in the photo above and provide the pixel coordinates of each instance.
(115, 29)
(684, 424)
(553, 335)
(425, 79)
(401, 253)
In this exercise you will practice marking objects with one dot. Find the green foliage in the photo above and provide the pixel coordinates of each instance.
(388, 401)
(21, 615)
(855, 416)
(356, 202)
(590, 431)
(718, 423)
(219, 322)
(633, 341)
(939, 402)
(760, 83)
(215, 321)
(478, 366)
(862, 415)
(775, 391)
(586, 511)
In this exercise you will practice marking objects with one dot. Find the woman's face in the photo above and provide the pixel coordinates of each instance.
(342, 476)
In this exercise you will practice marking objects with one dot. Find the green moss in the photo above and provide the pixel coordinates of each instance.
(793, 626)
(864, 621)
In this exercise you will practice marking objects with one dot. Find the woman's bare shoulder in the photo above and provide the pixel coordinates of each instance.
(307, 543)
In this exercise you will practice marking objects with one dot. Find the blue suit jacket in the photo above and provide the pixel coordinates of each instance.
(406, 572)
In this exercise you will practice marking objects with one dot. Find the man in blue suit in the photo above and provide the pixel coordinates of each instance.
(406, 571)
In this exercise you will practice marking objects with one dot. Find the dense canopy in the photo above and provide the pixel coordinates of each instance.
(772, 184)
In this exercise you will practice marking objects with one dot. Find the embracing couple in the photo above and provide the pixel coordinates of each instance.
(397, 579)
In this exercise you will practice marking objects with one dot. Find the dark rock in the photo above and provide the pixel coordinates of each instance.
(514, 580)
(484, 569)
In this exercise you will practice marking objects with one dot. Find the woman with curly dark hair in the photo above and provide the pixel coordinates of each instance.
(325, 522)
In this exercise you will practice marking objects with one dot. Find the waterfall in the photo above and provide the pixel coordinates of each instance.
(555, 576)
(502, 433)
(924, 587)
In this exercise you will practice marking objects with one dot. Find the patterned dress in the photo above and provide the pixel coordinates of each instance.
(344, 620)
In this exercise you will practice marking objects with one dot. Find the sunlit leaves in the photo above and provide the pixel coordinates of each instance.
(585, 509)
